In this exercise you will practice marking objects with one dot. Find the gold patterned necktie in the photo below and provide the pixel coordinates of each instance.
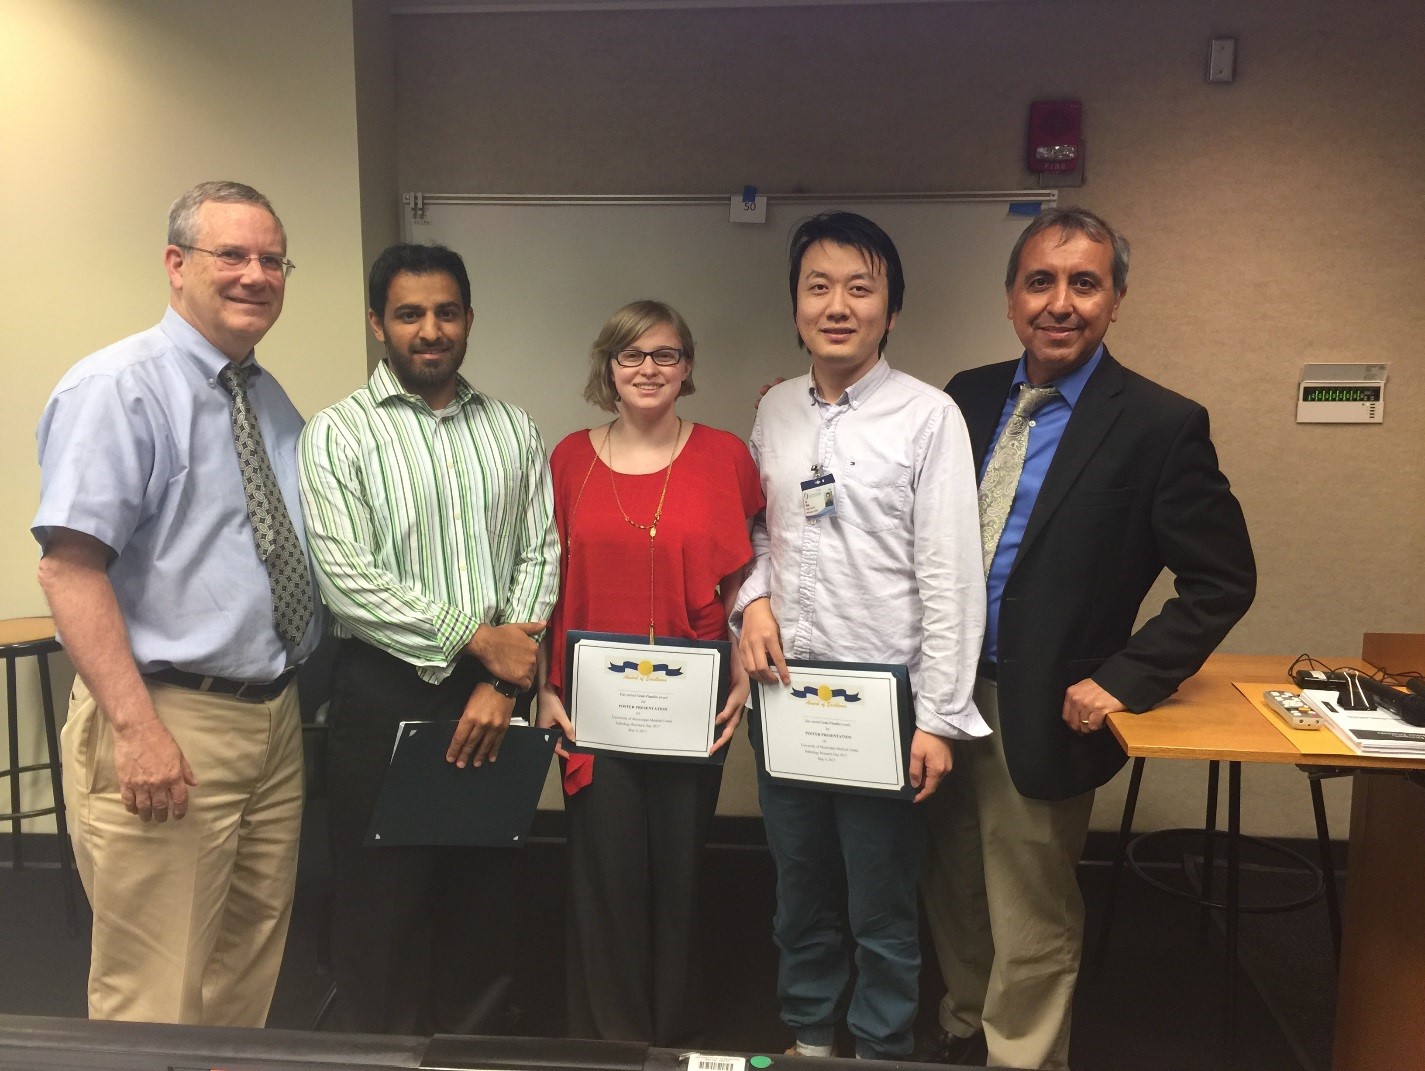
(277, 543)
(1006, 464)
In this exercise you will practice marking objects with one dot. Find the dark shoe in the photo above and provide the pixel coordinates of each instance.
(972, 1051)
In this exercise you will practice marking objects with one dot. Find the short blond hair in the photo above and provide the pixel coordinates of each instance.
(623, 329)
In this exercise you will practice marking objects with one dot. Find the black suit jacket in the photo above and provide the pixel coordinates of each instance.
(1133, 488)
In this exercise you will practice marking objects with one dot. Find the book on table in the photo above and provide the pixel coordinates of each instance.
(1367, 732)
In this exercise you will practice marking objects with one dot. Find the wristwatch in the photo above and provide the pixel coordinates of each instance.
(505, 688)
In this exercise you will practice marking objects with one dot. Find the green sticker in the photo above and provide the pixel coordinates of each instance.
(760, 1061)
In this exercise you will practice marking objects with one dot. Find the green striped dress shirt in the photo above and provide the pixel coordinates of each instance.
(425, 525)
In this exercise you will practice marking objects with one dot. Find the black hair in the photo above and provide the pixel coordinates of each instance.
(1069, 222)
(417, 260)
(856, 232)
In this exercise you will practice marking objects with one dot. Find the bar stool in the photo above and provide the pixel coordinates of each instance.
(1323, 873)
(34, 637)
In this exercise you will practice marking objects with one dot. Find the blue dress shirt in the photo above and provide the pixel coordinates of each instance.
(1046, 430)
(136, 449)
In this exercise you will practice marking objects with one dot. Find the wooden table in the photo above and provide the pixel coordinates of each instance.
(1380, 1002)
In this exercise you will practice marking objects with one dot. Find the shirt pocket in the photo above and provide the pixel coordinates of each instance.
(874, 494)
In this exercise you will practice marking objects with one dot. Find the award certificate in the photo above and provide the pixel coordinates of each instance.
(642, 700)
(838, 725)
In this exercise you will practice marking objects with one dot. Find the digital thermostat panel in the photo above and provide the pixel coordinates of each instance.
(1341, 394)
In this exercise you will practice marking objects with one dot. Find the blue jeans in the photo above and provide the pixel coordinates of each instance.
(844, 862)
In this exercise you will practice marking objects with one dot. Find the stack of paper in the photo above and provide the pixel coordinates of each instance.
(1368, 732)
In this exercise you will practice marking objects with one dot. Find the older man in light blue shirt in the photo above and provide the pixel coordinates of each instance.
(195, 596)
(175, 567)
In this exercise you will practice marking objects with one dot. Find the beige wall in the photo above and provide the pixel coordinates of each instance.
(1275, 221)
(108, 110)
(376, 136)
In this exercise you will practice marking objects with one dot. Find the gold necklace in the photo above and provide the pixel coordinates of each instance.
(652, 526)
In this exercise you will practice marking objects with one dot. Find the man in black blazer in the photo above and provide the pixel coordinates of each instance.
(1119, 481)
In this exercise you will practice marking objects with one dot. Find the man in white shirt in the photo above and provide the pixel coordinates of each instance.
(892, 574)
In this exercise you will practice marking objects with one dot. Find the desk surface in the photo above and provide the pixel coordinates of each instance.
(1209, 718)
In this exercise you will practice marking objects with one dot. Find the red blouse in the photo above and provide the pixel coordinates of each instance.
(713, 492)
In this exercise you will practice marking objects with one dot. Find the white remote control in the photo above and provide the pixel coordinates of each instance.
(1293, 709)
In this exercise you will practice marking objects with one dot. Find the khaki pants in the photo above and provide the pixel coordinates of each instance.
(190, 916)
(1001, 894)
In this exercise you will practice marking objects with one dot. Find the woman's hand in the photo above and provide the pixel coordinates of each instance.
(552, 715)
(731, 716)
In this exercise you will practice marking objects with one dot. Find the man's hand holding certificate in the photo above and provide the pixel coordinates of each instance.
(841, 726)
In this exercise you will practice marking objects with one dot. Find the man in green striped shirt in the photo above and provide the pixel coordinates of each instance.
(430, 519)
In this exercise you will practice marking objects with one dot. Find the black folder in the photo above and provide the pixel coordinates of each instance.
(427, 801)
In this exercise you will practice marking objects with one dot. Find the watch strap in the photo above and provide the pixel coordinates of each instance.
(506, 688)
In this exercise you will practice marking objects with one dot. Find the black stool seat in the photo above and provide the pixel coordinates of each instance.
(34, 637)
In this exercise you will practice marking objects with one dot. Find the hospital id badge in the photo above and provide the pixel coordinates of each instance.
(819, 497)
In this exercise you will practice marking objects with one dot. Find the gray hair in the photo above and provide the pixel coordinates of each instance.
(183, 216)
(1073, 221)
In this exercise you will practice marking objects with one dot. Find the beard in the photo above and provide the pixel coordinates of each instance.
(418, 374)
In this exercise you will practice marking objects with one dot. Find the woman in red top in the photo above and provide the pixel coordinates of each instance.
(653, 515)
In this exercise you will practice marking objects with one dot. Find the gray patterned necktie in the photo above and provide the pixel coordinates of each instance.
(1006, 464)
(277, 543)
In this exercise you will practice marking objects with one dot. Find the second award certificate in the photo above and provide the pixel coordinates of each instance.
(642, 700)
(839, 726)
